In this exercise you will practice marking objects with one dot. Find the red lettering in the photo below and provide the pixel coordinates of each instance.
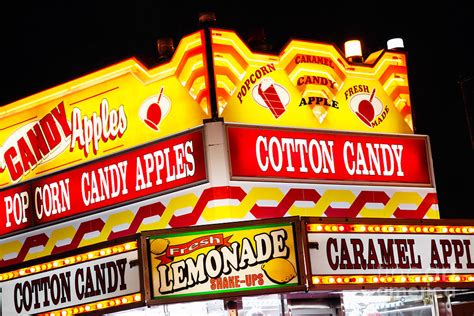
(15, 168)
(28, 160)
(37, 142)
(50, 131)
(60, 116)
(252, 79)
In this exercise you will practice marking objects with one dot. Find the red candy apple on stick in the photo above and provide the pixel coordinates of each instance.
(365, 109)
(153, 115)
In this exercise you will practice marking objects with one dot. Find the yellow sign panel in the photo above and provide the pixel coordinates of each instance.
(311, 85)
(308, 85)
(222, 260)
(108, 111)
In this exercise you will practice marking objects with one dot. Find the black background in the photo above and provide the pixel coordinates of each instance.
(44, 44)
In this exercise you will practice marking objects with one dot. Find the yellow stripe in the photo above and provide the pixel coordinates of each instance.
(56, 236)
(11, 247)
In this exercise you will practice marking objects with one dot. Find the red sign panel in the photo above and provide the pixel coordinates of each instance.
(149, 170)
(309, 155)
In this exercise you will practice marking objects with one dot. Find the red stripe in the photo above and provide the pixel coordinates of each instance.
(210, 194)
(286, 203)
(84, 228)
(420, 212)
(363, 198)
(143, 212)
(30, 242)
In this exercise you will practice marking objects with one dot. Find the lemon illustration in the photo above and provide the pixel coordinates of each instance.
(158, 246)
(279, 270)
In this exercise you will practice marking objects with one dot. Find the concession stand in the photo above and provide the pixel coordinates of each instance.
(227, 182)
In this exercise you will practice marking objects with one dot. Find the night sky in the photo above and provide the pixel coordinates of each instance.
(47, 43)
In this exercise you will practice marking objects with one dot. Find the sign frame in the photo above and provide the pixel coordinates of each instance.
(299, 252)
(306, 221)
(82, 250)
(319, 92)
(29, 185)
(429, 159)
(128, 89)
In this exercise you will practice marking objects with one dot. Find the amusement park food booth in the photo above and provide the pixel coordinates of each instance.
(227, 182)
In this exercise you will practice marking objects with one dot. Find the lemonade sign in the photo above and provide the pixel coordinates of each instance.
(223, 260)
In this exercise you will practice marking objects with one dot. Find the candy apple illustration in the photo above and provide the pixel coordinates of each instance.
(366, 107)
(154, 109)
(366, 110)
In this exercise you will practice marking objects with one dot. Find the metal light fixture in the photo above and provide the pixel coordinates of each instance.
(207, 17)
(165, 47)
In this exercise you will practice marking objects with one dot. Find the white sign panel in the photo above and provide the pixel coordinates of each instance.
(73, 285)
(384, 254)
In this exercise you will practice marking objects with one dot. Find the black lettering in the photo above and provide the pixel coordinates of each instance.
(386, 254)
(372, 260)
(467, 246)
(458, 253)
(55, 289)
(18, 297)
(113, 278)
(346, 262)
(66, 286)
(447, 250)
(79, 286)
(415, 262)
(358, 248)
(46, 288)
(435, 259)
(37, 287)
(27, 296)
(89, 284)
(121, 264)
(100, 277)
(403, 262)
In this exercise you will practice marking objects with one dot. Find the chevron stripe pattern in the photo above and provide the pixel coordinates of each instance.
(219, 204)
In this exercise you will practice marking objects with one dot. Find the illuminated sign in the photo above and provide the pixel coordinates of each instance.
(318, 156)
(389, 253)
(206, 204)
(83, 282)
(218, 260)
(101, 113)
(156, 168)
(311, 85)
